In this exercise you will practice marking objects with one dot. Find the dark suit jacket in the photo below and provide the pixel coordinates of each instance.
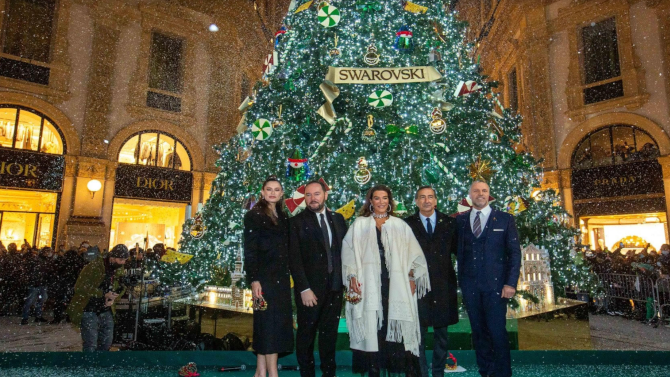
(308, 257)
(502, 252)
(438, 308)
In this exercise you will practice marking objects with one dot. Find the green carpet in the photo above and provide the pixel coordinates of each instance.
(519, 371)
(159, 364)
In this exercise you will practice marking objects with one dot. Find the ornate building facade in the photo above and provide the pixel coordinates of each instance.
(109, 110)
(592, 81)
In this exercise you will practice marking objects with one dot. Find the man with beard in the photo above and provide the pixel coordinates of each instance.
(316, 267)
(92, 307)
(489, 262)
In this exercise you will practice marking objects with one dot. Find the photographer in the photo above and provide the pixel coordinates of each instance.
(92, 306)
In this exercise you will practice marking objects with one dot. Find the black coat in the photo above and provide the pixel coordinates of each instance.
(309, 263)
(266, 261)
(438, 308)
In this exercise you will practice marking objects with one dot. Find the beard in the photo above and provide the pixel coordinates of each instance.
(317, 209)
(116, 266)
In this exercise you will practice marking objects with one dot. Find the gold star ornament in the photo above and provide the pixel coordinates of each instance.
(481, 169)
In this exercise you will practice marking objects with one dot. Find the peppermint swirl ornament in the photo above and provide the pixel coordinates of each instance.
(380, 98)
(329, 16)
(261, 129)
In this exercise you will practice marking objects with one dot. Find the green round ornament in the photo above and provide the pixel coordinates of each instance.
(261, 129)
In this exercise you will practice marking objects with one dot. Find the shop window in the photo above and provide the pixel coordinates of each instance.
(28, 28)
(600, 62)
(139, 221)
(614, 145)
(22, 128)
(165, 72)
(152, 148)
(27, 215)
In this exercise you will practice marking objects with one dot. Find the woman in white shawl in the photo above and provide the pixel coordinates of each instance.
(384, 264)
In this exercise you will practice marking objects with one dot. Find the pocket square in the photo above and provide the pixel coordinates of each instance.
(498, 230)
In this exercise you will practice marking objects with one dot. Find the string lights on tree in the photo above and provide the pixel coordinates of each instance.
(402, 103)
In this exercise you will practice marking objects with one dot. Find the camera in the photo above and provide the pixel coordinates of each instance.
(128, 281)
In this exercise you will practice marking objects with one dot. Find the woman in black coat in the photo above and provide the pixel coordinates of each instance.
(266, 258)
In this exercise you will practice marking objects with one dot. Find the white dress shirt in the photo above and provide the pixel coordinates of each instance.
(433, 220)
(330, 233)
(483, 217)
(325, 217)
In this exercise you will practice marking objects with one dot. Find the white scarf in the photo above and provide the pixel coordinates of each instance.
(360, 257)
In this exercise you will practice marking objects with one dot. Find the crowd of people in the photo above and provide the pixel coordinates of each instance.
(618, 270)
(32, 278)
(649, 262)
(28, 279)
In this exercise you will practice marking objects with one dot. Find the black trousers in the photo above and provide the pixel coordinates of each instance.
(487, 312)
(440, 351)
(323, 318)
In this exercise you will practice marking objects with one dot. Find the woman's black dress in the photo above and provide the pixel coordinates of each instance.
(266, 261)
(392, 357)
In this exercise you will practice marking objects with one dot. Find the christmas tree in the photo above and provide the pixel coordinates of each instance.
(365, 92)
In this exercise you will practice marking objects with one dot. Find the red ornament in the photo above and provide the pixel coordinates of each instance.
(189, 370)
(452, 364)
(270, 63)
(465, 88)
(297, 200)
(466, 204)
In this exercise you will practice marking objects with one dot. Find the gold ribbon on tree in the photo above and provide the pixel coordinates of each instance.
(345, 75)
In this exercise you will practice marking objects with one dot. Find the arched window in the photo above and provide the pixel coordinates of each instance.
(614, 145)
(24, 128)
(155, 148)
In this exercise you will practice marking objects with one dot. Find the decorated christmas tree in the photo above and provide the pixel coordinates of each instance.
(359, 93)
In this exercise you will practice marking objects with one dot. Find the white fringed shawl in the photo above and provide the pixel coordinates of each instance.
(360, 257)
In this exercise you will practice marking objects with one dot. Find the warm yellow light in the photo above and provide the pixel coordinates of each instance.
(93, 186)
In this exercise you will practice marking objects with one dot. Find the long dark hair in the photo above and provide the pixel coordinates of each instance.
(263, 206)
(366, 211)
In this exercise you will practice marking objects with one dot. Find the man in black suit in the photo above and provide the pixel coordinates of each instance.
(436, 233)
(489, 260)
(316, 267)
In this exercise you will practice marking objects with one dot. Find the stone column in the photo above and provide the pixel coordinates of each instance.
(86, 223)
(100, 88)
(537, 99)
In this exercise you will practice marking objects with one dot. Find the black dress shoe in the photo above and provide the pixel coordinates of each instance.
(40, 319)
(24, 322)
(55, 321)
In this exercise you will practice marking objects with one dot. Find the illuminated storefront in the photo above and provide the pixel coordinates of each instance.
(618, 190)
(32, 167)
(152, 190)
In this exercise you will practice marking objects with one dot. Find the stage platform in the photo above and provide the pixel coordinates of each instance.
(460, 337)
(166, 364)
(563, 326)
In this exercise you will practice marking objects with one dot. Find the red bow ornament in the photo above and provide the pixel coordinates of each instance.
(297, 201)
(466, 204)
(465, 88)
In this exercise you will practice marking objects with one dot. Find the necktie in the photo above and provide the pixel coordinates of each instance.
(326, 242)
(477, 226)
(429, 227)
